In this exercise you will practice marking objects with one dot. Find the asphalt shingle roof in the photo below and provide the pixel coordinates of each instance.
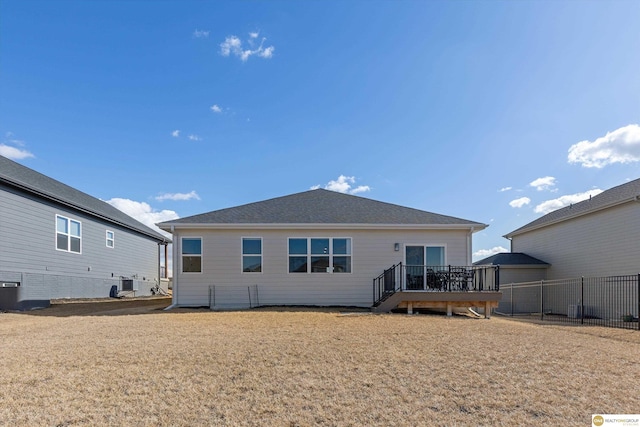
(17, 175)
(621, 193)
(511, 258)
(322, 207)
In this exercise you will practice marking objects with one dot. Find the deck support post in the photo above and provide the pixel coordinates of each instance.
(410, 307)
(449, 309)
(487, 310)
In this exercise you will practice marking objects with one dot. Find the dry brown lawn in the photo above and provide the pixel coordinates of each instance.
(131, 363)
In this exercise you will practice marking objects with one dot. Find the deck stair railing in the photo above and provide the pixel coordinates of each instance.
(433, 278)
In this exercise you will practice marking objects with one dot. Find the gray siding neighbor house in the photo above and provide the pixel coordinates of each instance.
(595, 237)
(58, 242)
(318, 247)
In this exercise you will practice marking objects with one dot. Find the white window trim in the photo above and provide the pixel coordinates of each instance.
(242, 255)
(68, 234)
(111, 239)
(201, 255)
(330, 254)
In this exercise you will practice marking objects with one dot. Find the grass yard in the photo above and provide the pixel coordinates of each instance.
(130, 363)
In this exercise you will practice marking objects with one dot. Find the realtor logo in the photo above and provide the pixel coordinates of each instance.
(617, 420)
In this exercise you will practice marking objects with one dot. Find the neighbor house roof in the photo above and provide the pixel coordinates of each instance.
(322, 207)
(512, 258)
(624, 193)
(25, 179)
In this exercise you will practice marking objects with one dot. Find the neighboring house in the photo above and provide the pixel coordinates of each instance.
(58, 242)
(595, 237)
(517, 267)
(317, 247)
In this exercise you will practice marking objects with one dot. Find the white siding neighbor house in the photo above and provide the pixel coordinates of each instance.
(317, 247)
(595, 237)
(58, 242)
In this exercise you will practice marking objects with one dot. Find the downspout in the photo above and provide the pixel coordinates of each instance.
(469, 246)
(160, 264)
(174, 297)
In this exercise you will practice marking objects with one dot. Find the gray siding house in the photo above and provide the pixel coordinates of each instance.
(595, 237)
(58, 242)
(317, 247)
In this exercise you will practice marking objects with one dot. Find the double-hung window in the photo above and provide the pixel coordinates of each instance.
(251, 255)
(191, 255)
(68, 234)
(320, 255)
(111, 239)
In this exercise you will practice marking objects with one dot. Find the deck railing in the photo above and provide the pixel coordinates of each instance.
(435, 278)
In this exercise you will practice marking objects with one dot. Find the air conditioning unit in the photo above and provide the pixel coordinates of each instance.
(574, 311)
(130, 285)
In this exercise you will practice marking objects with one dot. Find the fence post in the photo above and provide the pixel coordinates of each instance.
(541, 299)
(512, 300)
(638, 283)
(582, 300)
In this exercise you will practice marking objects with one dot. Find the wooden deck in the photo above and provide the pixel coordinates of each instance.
(442, 300)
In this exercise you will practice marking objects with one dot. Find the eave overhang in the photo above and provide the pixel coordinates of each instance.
(170, 226)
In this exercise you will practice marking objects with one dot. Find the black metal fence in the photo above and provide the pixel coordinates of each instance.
(436, 278)
(612, 301)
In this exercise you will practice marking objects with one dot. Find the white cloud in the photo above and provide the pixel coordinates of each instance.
(620, 146)
(484, 253)
(216, 108)
(560, 202)
(144, 213)
(232, 45)
(518, 203)
(503, 189)
(267, 52)
(200, 34)
(545, 183)
(14, 153)
(193, 137)
(175, 133)
(343, 185)
(12, 148)
(178, 196)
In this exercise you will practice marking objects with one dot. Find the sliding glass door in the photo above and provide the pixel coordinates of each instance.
(420, 260)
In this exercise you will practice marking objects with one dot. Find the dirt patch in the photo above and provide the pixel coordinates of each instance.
(305, 367)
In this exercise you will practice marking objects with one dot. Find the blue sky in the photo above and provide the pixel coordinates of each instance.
(492, 111)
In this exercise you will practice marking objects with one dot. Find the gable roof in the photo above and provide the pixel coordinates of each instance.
(624, 193)
(322, 207)
(25, 179)
(511, 258)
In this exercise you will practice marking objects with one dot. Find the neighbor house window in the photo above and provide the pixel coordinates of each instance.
(191, 255)
(320, 255)
(251, 255)
(68, 234)
(111, 239)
